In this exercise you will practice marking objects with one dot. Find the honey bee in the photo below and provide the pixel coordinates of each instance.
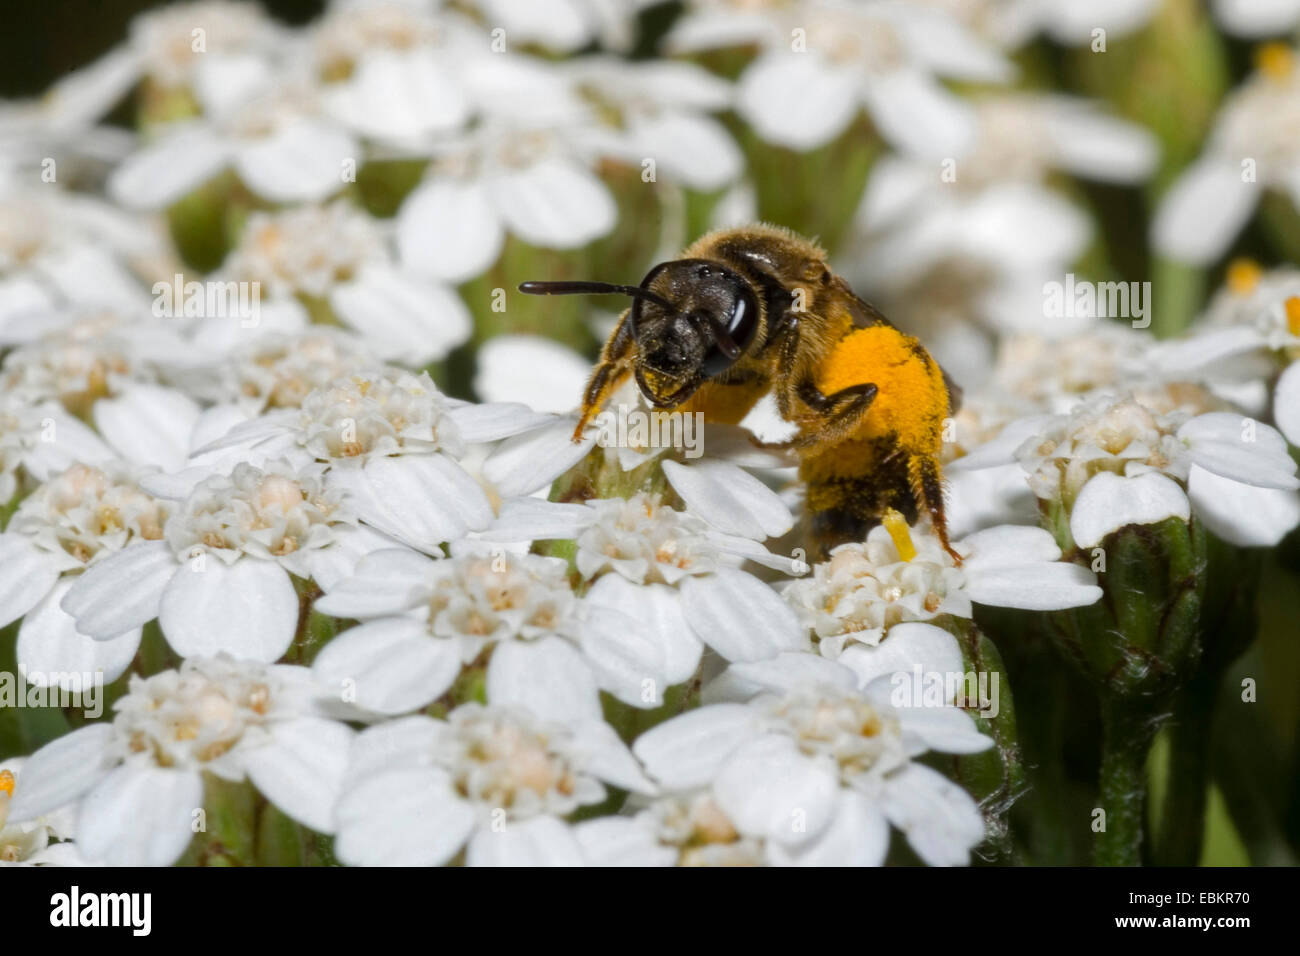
(753, 310)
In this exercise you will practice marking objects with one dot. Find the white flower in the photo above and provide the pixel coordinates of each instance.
(390, 441)
(669, 570)
(496, 783)
(881, 55)
(337, 253)
(982, 243)
(41, 439)
(673, 830)
(138, 781)
(1257, 18)
(546, 650)
(211, 50)
(272, 136)
(75, 520)
(1254, 146)
(532, 370)
(104, 367)
(280, 371)
(1115, 462)
(28, 843)
(866, 589)
(658, 111)
(391, 71)
(519, 171)
(821, 770)
(718, 488)
(1052, 375)
(1251, 326)
(61, 250)
(1076, 24)
(564, 25)
(239, 535)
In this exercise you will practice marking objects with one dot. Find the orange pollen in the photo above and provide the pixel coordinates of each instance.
(1292, 307)
(7, 782)
(1275, 60)
(1243, 276)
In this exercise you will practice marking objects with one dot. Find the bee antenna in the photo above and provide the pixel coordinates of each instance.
(596, 288)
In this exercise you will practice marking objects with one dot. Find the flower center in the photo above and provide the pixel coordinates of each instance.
(193, 716)
(1292, 306)
(268, 513)
(501, 762)
(1275, 61)
(387, 413)
(844, 727)
(1243, 276)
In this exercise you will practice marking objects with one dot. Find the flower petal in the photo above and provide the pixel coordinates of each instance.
(730, 498)
(392, 665)
(148, 424)
(622, 841)
(49, 645)
(687, 751)
(301, 770)
(547, 677)
(770, 788)
(158, 175)
(904, 648)
(658, 608)
(1203, 211)
(858, 835)
(1234, 446)
(409, 817)
(1109, 502)
(63, 770)
(428, 247)
(385, 582)
(530, 462)
(123, 591)
(30, 573)
(415, 321)
(554, 203)
(248, 609)
(301, 161)
(1244, 515)
(739, 616)
(540, 841)
(421, 500)
(939, 818)
(140, 816)
(1286, 403)
(775, 89)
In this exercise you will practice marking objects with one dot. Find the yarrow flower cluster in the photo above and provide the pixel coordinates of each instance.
(305, 559)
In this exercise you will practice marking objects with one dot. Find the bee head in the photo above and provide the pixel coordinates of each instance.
(691, 318)
(706, 320)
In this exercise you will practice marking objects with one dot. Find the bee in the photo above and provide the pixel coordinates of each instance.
(756, 310)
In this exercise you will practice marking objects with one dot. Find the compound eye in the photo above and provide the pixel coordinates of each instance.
(744, 319)
(737, 335)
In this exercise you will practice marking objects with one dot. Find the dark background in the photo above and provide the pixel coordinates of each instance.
(42, 40)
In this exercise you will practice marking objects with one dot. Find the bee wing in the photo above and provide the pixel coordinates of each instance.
(954, 392)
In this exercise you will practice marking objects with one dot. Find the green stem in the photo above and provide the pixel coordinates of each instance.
(1182, 818)
(1127, 732)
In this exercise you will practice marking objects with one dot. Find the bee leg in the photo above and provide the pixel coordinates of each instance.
(927, 486)
(614, 367)
(839, 414)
